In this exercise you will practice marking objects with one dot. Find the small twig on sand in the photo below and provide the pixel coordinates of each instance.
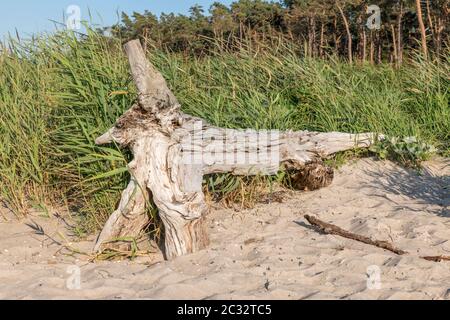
(328, 228)
(335, 230)
(437, 258)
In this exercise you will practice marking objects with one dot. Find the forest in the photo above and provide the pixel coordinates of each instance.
(357, 30)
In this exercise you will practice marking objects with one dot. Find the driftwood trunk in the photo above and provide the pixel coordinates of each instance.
(173, 151)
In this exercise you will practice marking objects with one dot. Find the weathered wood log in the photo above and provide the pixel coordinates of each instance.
(154, 96)
(173, 151)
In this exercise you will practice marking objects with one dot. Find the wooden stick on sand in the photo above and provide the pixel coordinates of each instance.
(328, 228)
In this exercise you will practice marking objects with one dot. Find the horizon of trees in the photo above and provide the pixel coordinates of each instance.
(320, 27)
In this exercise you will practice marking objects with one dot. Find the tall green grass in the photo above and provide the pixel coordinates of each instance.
(58, 93)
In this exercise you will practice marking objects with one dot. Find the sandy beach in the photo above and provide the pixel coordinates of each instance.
(268, 252)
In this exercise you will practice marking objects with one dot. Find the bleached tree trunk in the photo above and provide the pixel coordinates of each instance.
(423, 33)
(173, 151)
(400, 35)
(349, 34)
(322, 36)
(364, 46)
(372, 48)
(394, 44)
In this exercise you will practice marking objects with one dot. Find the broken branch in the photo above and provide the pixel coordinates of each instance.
(328, 228)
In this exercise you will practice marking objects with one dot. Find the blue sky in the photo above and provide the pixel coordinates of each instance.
(33, 16)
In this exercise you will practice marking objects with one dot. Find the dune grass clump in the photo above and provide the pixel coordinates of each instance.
(58, 93)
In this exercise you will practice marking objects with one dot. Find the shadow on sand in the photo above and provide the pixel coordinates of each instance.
(428, 187)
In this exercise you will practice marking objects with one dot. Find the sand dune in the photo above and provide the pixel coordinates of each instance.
(269, 252)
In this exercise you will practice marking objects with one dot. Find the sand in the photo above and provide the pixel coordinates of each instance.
(268, 252)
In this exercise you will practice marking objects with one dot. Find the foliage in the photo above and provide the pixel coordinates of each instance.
(315, 25)
(408, 151)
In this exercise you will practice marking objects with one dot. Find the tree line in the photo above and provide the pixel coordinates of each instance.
(353, 29)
